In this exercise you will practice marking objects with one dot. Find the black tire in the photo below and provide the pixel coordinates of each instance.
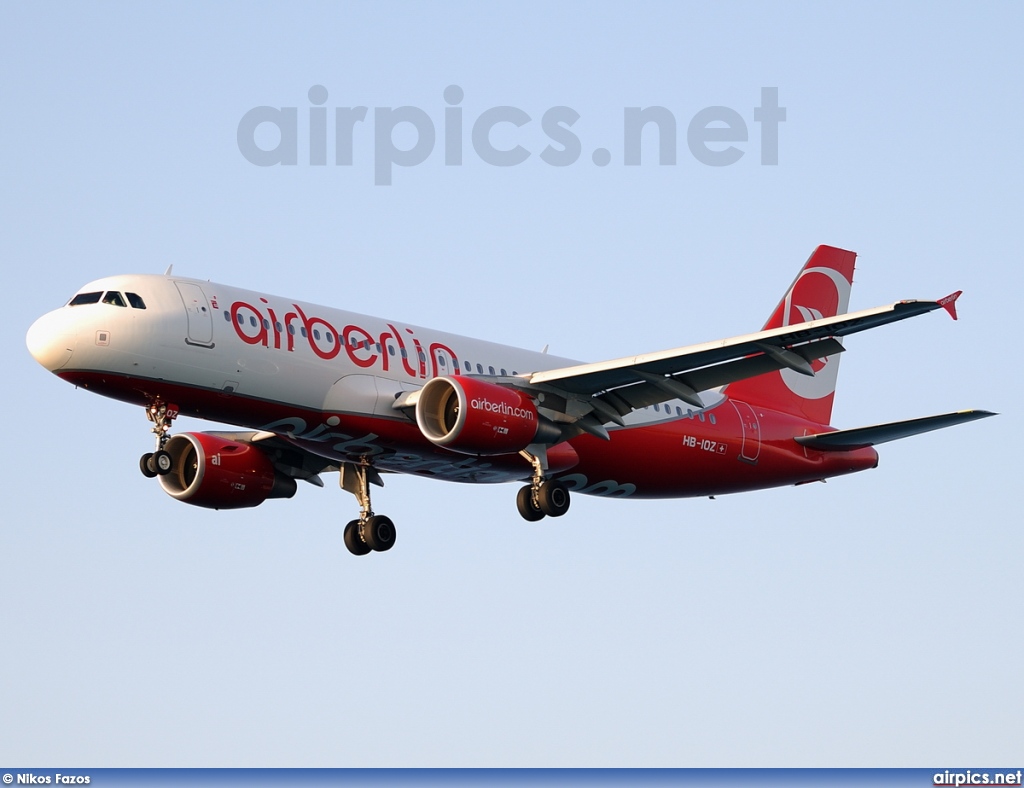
(553, 499)
(146, 465)
(524, 502)
(379, 533)
(353, 542)
(162, 462)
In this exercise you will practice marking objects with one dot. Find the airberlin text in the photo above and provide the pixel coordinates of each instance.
(502, 409)
(263, 326)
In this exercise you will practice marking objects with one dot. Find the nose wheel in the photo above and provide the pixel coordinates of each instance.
(371, 532)
(159, 462)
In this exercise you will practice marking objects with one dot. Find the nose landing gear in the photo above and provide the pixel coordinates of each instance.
(159, 463)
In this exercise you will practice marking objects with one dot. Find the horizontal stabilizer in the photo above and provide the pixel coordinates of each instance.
(848, 440)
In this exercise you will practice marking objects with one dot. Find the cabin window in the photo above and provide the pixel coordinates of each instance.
(277, 326)
(657, 409)
(85, 298)
(266, 324)
(479, 369)
(679, 411)
(136, 301)
(490, 370)
(329, 337)
(711, 417)
(440, 358)
(291, 329)
(391, 350)
(303, 332)
(469, 367)
(252, 321)
(227, 315)
(241, 320)
(503, 372)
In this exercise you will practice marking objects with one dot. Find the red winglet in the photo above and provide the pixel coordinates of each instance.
(949, 303)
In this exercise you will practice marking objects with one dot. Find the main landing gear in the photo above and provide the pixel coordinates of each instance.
(159, 463)
(542, 497)
(371, 532)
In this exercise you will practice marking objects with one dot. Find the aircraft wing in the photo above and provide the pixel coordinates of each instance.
(297, 462)
(596, 394)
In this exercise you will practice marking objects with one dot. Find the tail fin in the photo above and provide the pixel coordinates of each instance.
(822, 289)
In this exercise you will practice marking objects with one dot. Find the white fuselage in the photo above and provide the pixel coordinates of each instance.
(327, 377)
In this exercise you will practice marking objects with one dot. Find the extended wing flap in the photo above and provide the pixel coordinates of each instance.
(858, 438)
(642, 395)
(589, 379)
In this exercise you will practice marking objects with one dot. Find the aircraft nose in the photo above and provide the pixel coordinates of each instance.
(51, 340)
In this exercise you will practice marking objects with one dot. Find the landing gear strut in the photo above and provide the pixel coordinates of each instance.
(159, 463)
(542, 496)
(371, 532)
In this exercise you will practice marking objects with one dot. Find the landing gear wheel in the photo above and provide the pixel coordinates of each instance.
(159, 462)
(379, 533)
(353, 542)
(146, 465)
(524, 502)
(162, 462)
(553, 499)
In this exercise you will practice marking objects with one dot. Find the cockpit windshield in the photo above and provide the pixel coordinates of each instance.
(111, 297)
(85, 298)
(114, 297)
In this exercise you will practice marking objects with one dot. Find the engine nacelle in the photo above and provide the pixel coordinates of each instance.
(472, 416)
(221, 474)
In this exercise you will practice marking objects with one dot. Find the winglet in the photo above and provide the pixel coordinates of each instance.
(949, 303)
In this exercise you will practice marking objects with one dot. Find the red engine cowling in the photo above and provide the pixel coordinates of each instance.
(472, 416)
(217, 473)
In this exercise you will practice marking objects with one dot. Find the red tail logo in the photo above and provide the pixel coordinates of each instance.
(822, 289)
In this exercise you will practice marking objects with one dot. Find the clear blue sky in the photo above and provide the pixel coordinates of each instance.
(874, 620)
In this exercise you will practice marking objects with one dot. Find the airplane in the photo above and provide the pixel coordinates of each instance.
(317, 390)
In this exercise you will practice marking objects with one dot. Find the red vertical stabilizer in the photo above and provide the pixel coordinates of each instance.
(822, 289)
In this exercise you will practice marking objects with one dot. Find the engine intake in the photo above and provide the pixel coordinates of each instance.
(217, 473)
(472, 416)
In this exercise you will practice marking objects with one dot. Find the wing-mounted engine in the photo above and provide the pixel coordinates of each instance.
(218, 473)
(474, 416)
